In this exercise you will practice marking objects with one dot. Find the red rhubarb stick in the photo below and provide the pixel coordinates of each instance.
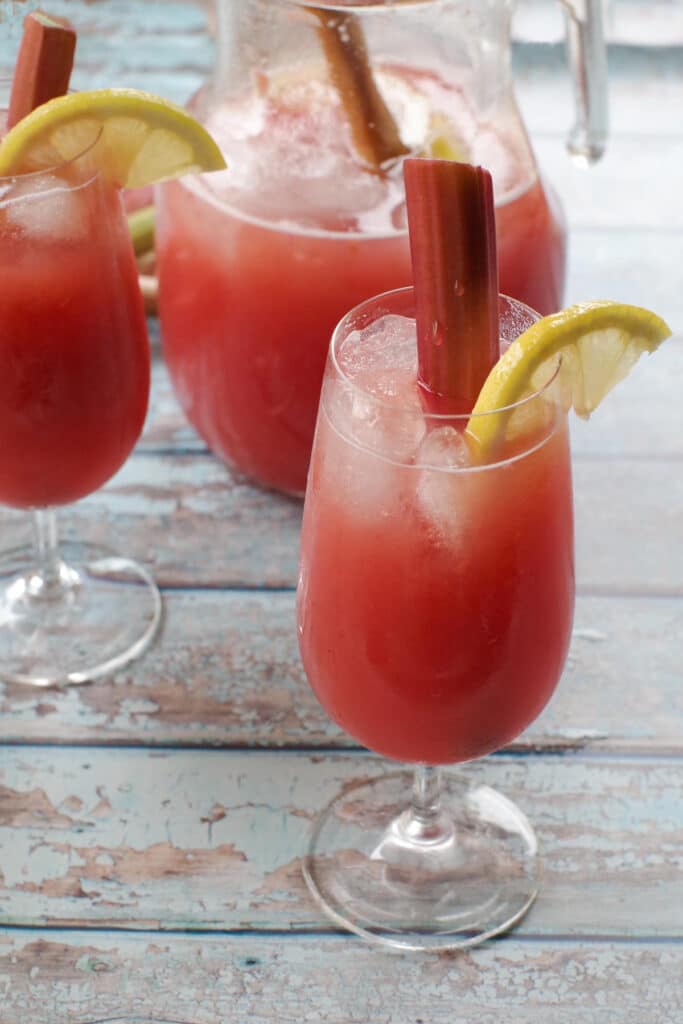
(44, 64)
(373, 129)
(451, 222)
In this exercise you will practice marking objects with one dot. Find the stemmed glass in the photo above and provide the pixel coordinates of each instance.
(435, 603)
(74, 389)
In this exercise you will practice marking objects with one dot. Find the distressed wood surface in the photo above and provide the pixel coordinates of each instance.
(194, 524)
(226, 672)
(62, 978)
(178, 839)
(151, 825)
(623, 426)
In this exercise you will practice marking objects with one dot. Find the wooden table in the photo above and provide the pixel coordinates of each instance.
(152, 825)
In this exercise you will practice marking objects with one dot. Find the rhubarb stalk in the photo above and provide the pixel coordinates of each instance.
(451, 223)
(374, 133)
(44, 64)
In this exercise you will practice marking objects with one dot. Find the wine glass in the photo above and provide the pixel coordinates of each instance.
(435, 603)
(74, 389)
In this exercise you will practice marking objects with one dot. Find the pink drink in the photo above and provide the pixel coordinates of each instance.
(436, 593)
(73, 340)
(259, 263)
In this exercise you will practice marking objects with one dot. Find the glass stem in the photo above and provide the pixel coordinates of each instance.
(48, 574)
(425, 817)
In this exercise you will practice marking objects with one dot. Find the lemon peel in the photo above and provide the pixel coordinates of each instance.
(137, 138)
(596, 344)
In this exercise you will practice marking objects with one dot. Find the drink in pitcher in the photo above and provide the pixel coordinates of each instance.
(257, 265)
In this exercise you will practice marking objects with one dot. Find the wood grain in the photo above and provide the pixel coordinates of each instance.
(644, 89)
(178, 839)
(226, 672)
(624, 425)
(641, 267)
(190, 520)
(113, 853)
(194, 524)
(66, 978)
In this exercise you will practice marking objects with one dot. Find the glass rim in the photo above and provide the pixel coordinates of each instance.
(360, 5)
(134, 1019)
(435, 417)
(52, 168)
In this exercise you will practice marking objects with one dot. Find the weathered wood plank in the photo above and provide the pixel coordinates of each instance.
(226, 672)
(168, 46)
(166, 428)
(644, 89)
(628, 523)
(190, 520)
(637, 22)
(161, 45)
(197, 525)
(46, 977)
(611, 193)
(641, 267)
(640, 417)
(214, 840)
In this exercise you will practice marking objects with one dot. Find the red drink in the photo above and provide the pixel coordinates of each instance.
(247, 321)
(73, 341)
(436, 594)
(257, 266)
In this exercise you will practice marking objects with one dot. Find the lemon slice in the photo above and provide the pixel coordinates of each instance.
(595, 343)
(443, 142)
(140, 138)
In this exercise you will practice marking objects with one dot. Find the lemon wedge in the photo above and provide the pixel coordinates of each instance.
(443, 142)
(140, 138)
(596, 344)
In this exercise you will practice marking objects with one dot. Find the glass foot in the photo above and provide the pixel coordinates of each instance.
(133, 1020)
(473, 876)
(97, 614)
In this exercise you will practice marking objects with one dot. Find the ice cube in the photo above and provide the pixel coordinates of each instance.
(381, 405)
(44, 207)
(287, 168)
(445, 448)
(386, 344)
(442, 488)
(347, 458)
(384, 429)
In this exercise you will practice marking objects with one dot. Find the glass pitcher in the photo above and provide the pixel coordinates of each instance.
(314, 105)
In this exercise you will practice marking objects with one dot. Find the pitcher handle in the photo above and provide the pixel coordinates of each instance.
(588, 62)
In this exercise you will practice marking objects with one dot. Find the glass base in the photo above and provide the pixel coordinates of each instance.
(473, 876)
(98, 614)
(133, 1020)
